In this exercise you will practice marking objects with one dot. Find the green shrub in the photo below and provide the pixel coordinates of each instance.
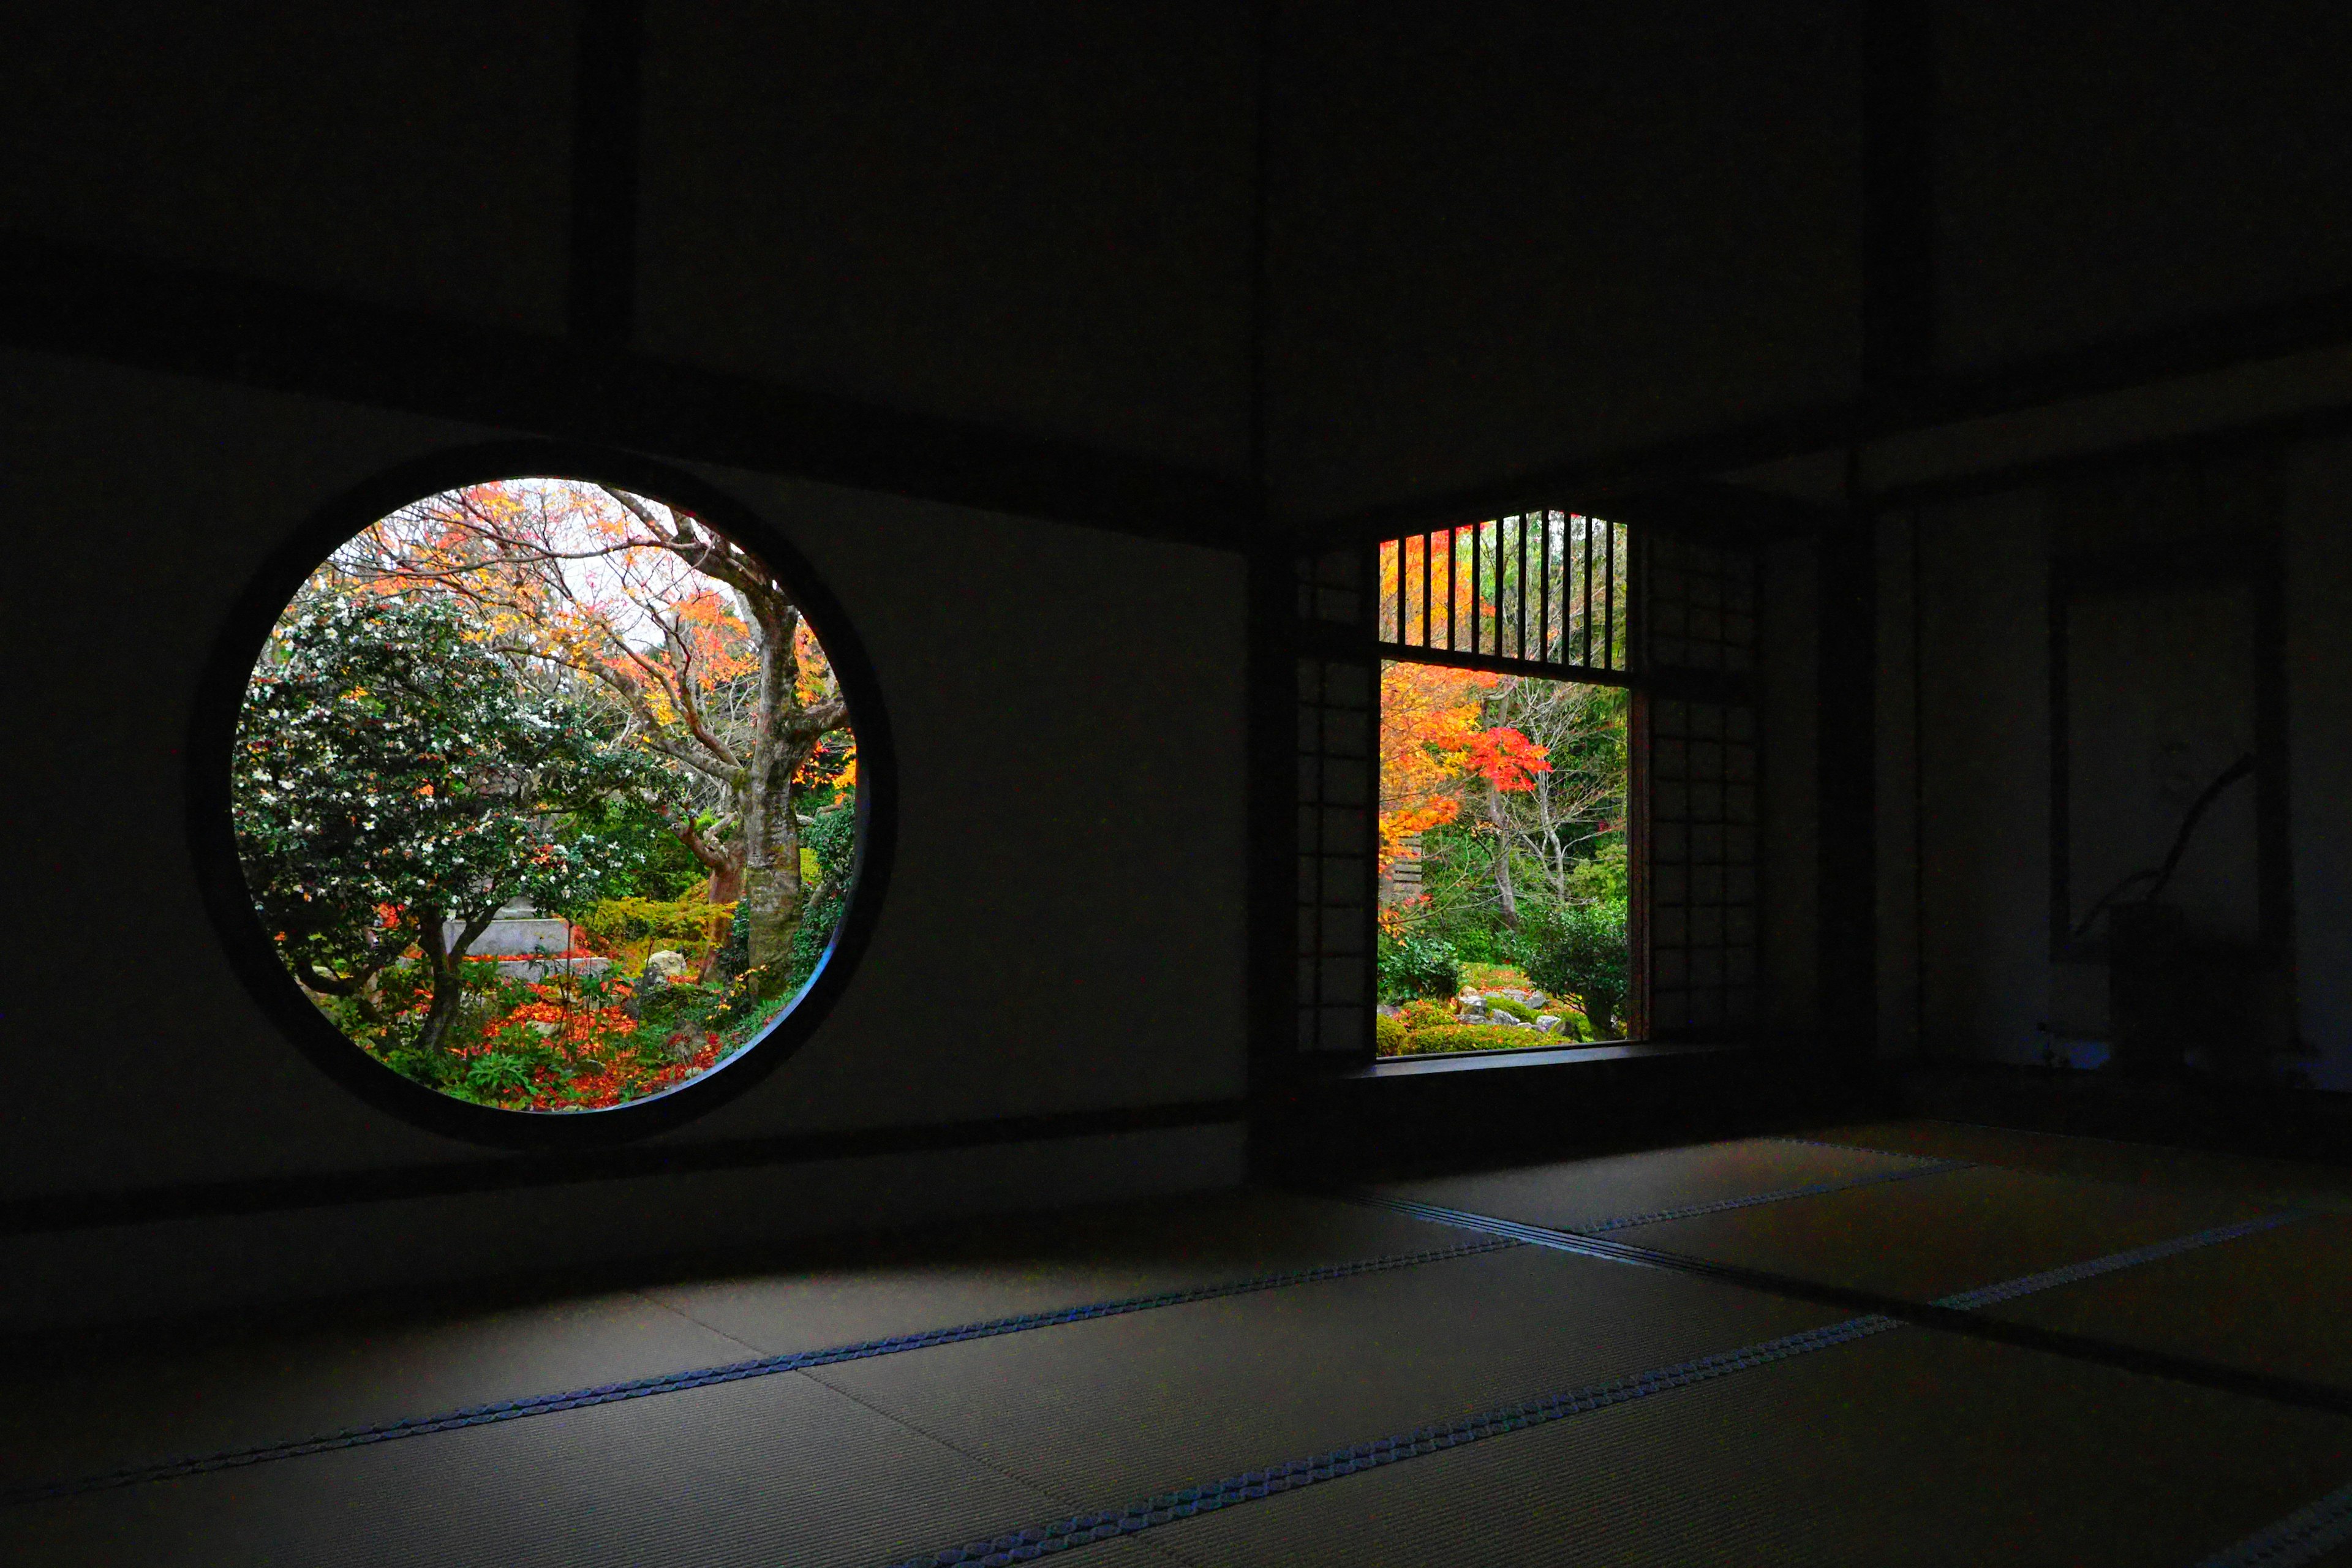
(1475, 1037)
(828, 856)
(1389, 1034)
(1497, 946)
(682, 1003)
(680, 923)
(1519, 1010)
(1604, 879)
(1417, 965)
(1581, 952)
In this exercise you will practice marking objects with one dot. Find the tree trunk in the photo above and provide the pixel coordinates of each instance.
(448, 991)
(1504, 890)
(725, 887)
(773, 894)
(447, 962)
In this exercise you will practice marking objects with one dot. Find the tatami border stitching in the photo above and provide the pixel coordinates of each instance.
(2091, 1268)
(2305, 1534)
(1812, 1189)
(674, 1383)
(734, 1372)
(1249, 1486)
(2303, 1537)
(1591, 1246)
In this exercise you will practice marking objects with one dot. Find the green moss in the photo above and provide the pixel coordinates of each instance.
(1519, 1010)
(1474, 1037)
(1422, 1014)
(1390, 1032)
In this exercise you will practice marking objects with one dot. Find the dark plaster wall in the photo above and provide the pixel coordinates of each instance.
(416, 154)
(1985, 786)
(1982, 753)
(2109, 166)
(1787, 714)
(2318, 568)
(1508, 236)
(1035, 216)
(1065, 928)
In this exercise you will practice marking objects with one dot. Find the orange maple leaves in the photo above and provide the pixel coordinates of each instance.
(1434, 741)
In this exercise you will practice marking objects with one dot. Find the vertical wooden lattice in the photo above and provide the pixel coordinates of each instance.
(1697, 787)
(1337, 713)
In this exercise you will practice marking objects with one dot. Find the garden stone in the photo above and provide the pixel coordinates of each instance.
(666, 966)
(1548, 1023)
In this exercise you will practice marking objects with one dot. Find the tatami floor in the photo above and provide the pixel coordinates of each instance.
(1906, 1344)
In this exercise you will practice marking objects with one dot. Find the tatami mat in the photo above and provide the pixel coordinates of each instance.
(1908, 1448)
(65, 1419)
(1942, 1233)
(776, 1471)
(2282, 1182)
(999, 1270)
(61, 1417)
(1099, 1411)
(1578, 1194)
(2280, 1302)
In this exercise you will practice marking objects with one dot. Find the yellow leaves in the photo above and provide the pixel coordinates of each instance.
(815, 681)
(1432, 568)
(813, 770)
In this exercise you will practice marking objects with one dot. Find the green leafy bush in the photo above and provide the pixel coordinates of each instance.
(1581, 952)
(669, 1006)
(1389, 1034)
(1417, 965)
(665, 923)
(1475, 1037)
(1604, 879)
(831, 841)
(1480, 942)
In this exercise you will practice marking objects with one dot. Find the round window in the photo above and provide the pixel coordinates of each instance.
(547, 793)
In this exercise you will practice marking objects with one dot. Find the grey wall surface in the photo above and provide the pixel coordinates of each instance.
(416, 155)
(1063, 931)
(1036, 216)
(1508, 236)
(1984, 791)
(1991, 991)
(1788, 645)
(1899, 818)
(2121, 165)
(2319, 747)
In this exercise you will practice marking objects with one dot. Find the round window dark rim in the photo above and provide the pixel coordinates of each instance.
(221, 877)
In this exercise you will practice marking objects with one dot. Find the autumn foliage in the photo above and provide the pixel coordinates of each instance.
(564, 694)
(1434, 741)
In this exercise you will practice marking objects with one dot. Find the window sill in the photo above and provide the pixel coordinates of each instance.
(1536, 1056)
